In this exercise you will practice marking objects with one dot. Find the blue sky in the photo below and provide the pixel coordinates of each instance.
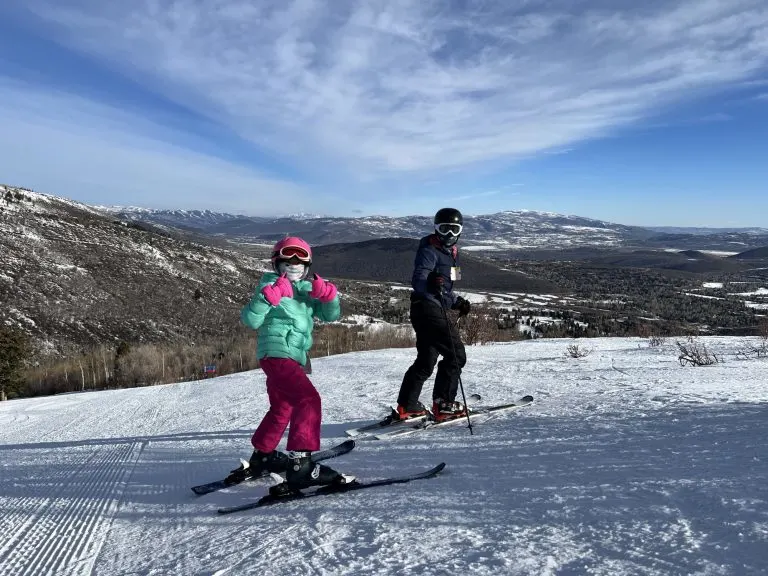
(652, 113)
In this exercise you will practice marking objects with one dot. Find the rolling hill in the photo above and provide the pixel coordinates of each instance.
(391, 260)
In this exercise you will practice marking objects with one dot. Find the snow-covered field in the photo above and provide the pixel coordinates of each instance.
(627, 463)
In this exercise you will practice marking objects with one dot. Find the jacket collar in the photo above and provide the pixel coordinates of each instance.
(435, 241)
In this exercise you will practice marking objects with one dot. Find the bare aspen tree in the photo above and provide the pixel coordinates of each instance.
(106, 368)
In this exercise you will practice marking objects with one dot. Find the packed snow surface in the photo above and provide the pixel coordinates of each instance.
(626, 463)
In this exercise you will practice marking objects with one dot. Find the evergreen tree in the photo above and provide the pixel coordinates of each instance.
(14, 349)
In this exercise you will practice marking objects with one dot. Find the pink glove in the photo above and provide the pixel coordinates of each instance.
(282, 287)
(322, 290)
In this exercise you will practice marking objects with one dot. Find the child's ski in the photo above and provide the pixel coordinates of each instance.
(270, 500)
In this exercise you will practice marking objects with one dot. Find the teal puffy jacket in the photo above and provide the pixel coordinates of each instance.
(285, 330)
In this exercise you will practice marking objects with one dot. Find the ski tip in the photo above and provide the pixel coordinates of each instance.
(439, 467)
(344, 446)
(204, 489)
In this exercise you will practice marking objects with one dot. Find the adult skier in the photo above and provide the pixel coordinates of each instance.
(435, 270)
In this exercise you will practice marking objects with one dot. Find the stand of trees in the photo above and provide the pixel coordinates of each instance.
(14, 349)
(146, 364)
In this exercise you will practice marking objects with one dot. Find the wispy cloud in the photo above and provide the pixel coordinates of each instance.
(486, 193)
(373, 88)
(471, 195)
(66, 145)
(713, 118)
(710, 118)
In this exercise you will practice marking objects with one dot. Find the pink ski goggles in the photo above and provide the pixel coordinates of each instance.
(289, 252)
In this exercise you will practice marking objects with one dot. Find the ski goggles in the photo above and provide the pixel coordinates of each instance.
(291, 252)
(449, 229)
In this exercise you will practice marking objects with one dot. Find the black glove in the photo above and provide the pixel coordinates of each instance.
(435, 282)
(462, 305)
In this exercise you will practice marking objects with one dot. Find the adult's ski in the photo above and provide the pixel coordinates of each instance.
(388, 422)
(332, 452)
(391, 423)
(427, 424)
(354, 485)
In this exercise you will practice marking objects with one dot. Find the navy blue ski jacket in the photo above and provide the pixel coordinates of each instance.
(433, 256)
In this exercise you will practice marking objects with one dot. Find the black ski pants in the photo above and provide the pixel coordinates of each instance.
(435, 336)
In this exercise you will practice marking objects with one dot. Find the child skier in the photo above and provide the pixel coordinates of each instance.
(282, 310)
(435, 270)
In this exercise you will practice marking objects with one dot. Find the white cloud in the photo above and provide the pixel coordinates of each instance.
(715, 117)
(382, 87)
(65, 145)
(472, 195)
(486, 193)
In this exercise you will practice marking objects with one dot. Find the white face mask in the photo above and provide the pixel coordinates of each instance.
(292, 271)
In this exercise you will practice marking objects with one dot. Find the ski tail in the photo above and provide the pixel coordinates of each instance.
(333, 451)
(387, 422)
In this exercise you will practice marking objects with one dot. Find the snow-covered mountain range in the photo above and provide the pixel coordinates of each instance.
(511, 230)
(504, 230)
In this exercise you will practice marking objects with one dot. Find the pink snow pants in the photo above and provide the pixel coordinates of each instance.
(292, 399)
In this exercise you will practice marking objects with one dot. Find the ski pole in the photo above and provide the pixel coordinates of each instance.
(458, 368)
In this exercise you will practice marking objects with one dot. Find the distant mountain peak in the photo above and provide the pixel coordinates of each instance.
(507, 230)
(305, 216)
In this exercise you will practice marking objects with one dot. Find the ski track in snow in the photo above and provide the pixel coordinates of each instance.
(626, 463)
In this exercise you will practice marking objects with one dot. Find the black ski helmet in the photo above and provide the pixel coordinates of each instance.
(448, 225)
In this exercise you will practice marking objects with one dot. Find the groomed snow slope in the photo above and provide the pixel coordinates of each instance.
(627, 463)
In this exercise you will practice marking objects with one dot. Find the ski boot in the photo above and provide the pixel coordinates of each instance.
(303, 473)
(406, 413)
(260, 464)
(443, 410)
